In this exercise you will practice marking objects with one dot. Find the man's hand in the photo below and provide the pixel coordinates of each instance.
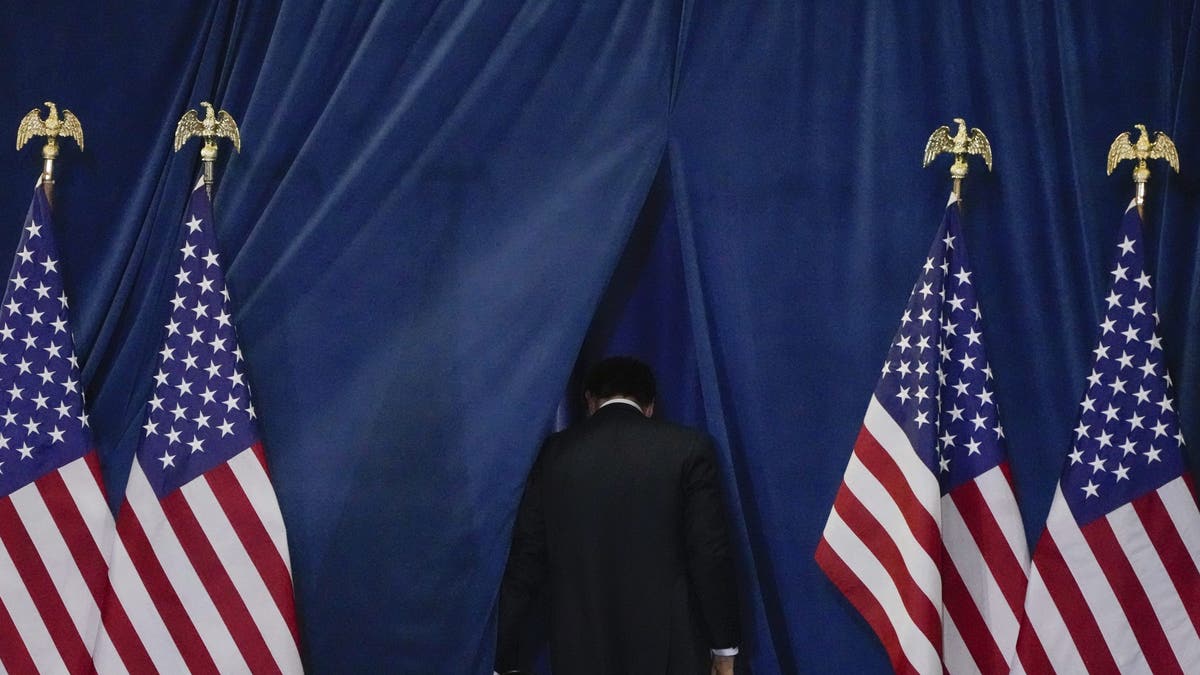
(722, 665)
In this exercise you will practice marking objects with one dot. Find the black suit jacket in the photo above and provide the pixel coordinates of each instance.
(622, 524)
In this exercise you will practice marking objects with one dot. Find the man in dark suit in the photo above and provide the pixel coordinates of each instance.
(623, 527)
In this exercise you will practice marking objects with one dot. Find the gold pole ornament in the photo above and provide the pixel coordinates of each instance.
(960, 145)
(212, 127)
(1143, 149)
(52, 127)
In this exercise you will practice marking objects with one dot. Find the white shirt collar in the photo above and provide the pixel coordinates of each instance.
(626, 401)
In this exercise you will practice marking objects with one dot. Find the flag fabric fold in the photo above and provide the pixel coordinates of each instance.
(925, 538)
(202, 564)
(1114, 585)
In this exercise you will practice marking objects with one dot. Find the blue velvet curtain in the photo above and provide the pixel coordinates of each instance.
(443, 209)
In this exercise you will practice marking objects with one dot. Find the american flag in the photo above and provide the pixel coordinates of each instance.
(55, 526)
(203, 567)
(1114, 586)
(924, 537)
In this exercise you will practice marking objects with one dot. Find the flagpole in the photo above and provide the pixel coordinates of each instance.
(49, 154)
(214, 125)
(51, 127)
(1123, 148)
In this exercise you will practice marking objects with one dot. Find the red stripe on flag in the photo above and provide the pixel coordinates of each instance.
(866, 604)
(92, 565)
(217, 583)
(969, 620)
(1131, 595)
(36, 578)
(256, 540)
(162, 593)
(992, 543)
(1172, 551)
(887, 472)
(14, 655)
(868, 530)
(1074, 610)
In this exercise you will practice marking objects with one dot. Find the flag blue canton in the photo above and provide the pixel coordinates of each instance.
(1128, 439)
(200, 414)
(936, 381)
(43, 425)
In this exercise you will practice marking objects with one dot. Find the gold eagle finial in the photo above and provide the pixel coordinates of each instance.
(218, 125)
(212, 127)
(52, 127)
(961, 144)
(1140, 151)
(1162, 148)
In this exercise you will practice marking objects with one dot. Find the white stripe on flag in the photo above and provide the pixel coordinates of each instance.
(1048, 625)
(1097, 592)
(955, 656)
(182, 576)
(977, 577)
(25, 616)
(867, 488)
(60, 565)
(243, 573)
(916, 647)
(1160, 590)
(1002, 503)
(257, 486)
(892, 438)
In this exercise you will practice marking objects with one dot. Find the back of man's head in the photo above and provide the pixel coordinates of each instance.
(622, 376)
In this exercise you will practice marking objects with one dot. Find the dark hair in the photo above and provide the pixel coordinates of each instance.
(621, 376)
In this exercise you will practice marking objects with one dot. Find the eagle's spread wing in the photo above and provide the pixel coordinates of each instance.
(1164, 148)
(1120, 151)
(31, 125)
(189, 125)
(71, 127)
(977, 144)
(227, 128)
(940, 141)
